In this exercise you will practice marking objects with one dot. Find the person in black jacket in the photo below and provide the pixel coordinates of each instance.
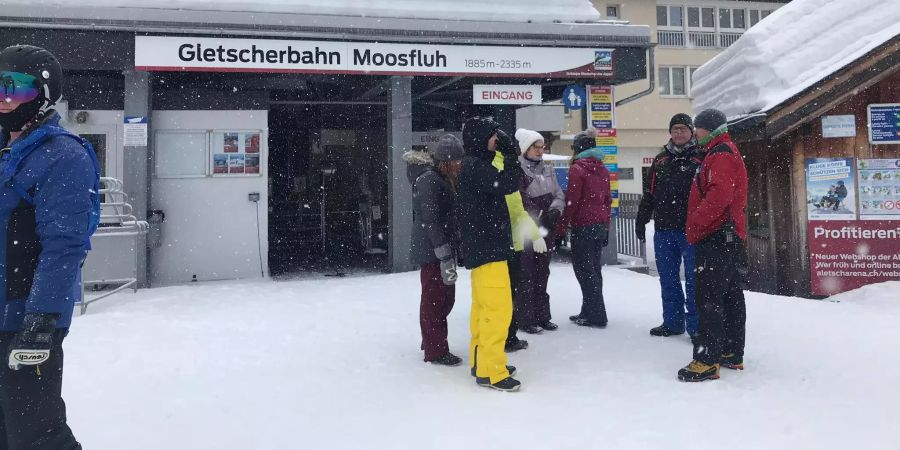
(435, 245)
(667, 186)
(486, 178)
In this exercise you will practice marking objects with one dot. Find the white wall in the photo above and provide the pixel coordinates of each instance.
(211, 227)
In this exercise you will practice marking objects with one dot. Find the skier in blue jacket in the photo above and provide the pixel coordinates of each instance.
(49, 207)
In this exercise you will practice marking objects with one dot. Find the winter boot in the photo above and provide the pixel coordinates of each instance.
(510, 369)
(582, 322)
(549, 326)
(515, 344)
(575, 317)
(698, 371)
(733, 361)
(508, 384)
(448, 359)
(532, 329)
(662, 331)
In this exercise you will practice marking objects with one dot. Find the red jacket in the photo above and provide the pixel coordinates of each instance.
(719, 192)
(588, 198)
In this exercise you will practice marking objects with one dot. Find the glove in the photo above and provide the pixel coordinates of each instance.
(550, 220)
(448, 264)
(540, 246)
(641, 231)
(31, 345)
(606, 238)
(506, 145)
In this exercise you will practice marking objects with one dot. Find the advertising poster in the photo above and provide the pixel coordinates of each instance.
(236, 163)
(251, 164)
(251, 143)
(220, 163)
(601, 112)
(231, 143)
(845, 255)
(830, 189)
(879, 189)
(602, 117)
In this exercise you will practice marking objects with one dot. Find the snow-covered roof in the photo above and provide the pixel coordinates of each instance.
(480, 10)
(795, 47)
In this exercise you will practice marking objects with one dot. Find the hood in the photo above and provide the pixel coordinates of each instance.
(476, 133)
(589, 163)
(417, 163)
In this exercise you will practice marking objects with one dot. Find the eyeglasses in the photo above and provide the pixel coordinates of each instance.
(17, 87)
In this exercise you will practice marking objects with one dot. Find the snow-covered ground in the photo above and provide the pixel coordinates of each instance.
(335, 364)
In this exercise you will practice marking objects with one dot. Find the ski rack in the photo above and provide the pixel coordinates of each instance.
(116, 220)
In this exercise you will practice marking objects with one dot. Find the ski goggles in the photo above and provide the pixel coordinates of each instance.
(17, 87)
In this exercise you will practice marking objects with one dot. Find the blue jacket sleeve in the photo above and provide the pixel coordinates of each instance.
(62, 204)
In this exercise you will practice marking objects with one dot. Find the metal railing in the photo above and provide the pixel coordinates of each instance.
(696, 39)
(627, 242)
(670, 38)
(116, 220)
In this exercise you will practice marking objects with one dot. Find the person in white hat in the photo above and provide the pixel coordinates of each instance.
(544, 201)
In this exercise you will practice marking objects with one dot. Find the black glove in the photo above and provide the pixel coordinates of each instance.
(31, 345)
(506, 145)
(606, 238)
(550, 220)
(640, 229)
(448, 264)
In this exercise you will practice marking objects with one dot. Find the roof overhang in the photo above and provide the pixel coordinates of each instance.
(238, 23)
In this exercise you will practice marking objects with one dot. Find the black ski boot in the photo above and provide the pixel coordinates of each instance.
(532, 329)
(662, 331)
(508, 384)
(447, 360)
(582, 322)
(549, 326)
(515, 344)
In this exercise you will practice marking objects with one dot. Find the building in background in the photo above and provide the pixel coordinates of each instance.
(687, 34)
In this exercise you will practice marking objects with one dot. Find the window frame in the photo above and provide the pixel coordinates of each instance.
(618, 11)
(668, 26)
(688, 81)
(700, 9)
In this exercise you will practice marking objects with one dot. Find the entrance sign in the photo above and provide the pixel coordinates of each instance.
(188, 53)
(884, 123)
(506, 94)
(830, 189)
(839, 126)
(845, 254)
(879, 189)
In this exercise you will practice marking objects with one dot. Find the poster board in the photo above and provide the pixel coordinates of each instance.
(830, 189)
(879, 189)
(181, 153)
(235, 153)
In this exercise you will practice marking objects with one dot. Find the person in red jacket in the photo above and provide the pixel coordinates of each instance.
(587, 212)
(717, 226)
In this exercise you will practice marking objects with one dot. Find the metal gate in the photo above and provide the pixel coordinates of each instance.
(627, 242)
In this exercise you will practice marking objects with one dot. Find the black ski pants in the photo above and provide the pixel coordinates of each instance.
(32, 411)
(720, 268)
(587, 261)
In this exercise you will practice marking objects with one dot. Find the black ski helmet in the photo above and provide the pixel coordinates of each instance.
(41, 64)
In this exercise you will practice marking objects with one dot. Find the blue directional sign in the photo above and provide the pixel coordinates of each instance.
(574, 97)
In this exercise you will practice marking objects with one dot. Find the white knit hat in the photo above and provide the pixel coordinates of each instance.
(526, 138)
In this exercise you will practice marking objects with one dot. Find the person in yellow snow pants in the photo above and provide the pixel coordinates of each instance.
(491, 313)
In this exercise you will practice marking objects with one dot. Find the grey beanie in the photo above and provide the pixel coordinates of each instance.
(449, 149)
(710, 119)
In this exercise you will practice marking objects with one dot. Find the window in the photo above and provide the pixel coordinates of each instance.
(675, 81)
(626, 173)
(693, 17)
(709, 17)
(763, 14)
(754, 17)
(724, 18)
(670, 16)
(738, 19)
(612, 12)
(98, 141)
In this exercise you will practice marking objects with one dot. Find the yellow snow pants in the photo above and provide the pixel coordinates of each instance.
(491, 315)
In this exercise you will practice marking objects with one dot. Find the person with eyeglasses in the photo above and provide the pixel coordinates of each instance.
(544, 201)
(667, 186)
(49, 207)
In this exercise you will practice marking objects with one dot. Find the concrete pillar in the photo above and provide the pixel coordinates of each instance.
(137, 163)
(400, 191)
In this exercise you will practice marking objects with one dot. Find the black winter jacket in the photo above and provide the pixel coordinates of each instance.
(434, 221)
(484, 223)
(667, 186)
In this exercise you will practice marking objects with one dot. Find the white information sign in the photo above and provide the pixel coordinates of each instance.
(506, 94)
(839, 126)
(188, 53)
